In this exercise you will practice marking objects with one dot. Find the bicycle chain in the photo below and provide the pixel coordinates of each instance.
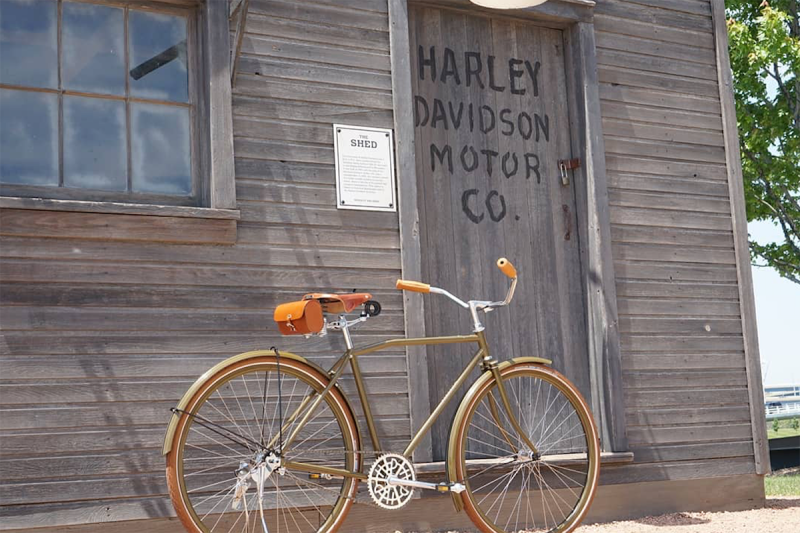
(332, 451)
(367, 500)
(363, 501)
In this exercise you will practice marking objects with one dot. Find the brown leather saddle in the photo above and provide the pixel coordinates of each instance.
(339, 303)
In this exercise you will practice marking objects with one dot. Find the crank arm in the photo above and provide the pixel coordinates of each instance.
(440, 487)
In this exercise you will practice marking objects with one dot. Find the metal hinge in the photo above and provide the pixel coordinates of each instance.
(567, 164)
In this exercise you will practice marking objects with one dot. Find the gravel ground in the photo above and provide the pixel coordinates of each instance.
(781, 515)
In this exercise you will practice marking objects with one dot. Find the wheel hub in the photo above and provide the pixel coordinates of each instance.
(527, 456)
(257, 471)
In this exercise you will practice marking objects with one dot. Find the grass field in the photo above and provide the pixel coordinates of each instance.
(785, 429)
(785, 485)
(782, 432)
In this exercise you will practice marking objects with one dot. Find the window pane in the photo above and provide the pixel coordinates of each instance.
(158, 56)
(28, 137)
(95, 151)
(28, 43)
(160, 149)
(93, 53)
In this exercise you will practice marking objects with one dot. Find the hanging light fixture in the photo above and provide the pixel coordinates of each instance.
(508, 4)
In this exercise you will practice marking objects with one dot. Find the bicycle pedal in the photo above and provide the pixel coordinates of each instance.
(323, 476)
(458, 488)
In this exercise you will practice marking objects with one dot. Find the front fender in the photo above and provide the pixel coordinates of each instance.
(173, 422)
(452, 447)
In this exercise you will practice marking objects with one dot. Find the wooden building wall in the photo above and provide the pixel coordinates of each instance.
(680, 322)
(100, 337)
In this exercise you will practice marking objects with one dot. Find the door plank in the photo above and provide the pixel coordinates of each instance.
(491, 124)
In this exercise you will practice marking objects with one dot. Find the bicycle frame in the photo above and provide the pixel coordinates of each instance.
(481, 356)
(391, 477)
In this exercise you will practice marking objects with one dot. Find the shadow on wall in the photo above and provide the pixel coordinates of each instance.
(133, 464)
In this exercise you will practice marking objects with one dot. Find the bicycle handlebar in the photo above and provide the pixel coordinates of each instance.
(503, 264)
(507, 268)
(414, 286)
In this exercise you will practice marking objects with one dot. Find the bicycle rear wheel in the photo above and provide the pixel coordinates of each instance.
(509, 487)
(232, 425)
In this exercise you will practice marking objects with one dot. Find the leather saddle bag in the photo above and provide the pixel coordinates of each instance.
(299, 318)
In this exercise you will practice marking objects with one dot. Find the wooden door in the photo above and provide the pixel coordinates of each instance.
(491, 123)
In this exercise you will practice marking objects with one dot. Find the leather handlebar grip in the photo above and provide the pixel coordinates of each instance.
(506, 267)
(414, 286)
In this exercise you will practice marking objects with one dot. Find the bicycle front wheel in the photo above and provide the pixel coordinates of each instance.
(224, 471)
(511, 487)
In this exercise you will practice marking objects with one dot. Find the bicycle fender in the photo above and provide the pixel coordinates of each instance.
(452, 451)
(173, 422)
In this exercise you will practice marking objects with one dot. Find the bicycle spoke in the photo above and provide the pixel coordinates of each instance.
(494, 423)
(544, 492)
(560, 468)
(230, 416)
(547, 450)
(198, 489)
(516, 504)
(213, 454)
(221, 500)
(214, 440)
(494, 481)
(554, 495)
(501, 496)
(218, 480)
(317, 431)
(239, 404)
(561, 477)
(518, 490)
(204, 500)
(542, 438)
(492, 467)
(196, 472)
(473, 439)
(253, 409)
(267, 379)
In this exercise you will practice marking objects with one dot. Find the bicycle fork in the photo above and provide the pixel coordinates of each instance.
(511, 418)
(492, 365)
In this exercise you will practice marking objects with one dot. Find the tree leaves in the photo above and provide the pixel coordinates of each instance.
(765, 58)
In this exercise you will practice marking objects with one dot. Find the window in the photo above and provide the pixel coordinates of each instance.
(100, 101)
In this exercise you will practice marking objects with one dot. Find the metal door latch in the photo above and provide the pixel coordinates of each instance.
(567, 164)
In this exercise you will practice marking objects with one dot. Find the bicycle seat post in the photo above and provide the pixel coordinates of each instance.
(345, 327)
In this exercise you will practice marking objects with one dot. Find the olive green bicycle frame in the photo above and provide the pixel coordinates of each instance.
(481, 357)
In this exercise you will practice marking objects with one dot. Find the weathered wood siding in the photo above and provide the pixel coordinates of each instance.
(101, 336)
(680, 323)
(475, 208)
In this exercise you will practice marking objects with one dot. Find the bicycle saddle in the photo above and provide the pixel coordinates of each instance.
(339, 303)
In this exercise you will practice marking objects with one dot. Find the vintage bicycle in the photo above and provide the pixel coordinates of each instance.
(267, 440)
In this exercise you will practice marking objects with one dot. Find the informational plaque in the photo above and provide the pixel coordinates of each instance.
(364, 168)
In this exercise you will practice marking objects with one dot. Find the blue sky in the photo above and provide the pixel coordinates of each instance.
(778, 315)
(777, 307)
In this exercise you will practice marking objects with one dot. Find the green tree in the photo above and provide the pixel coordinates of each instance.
(765, 54)
(796, 424)
(776, 425)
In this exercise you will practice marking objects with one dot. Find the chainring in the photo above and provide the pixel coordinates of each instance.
(384, 494)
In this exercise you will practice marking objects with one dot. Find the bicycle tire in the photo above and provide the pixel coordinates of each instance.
(551, 493)
(201, 460)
